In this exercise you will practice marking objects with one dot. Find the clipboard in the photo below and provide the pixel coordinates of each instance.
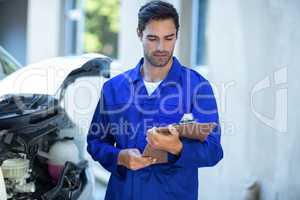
(191, 130)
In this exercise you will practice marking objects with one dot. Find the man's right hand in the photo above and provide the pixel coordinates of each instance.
(133, 159)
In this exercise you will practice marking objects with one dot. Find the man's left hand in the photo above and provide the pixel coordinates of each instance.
(170, 143)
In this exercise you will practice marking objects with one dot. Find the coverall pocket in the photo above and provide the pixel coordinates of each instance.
(169, 114)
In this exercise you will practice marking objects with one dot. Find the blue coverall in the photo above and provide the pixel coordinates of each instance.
(124, 113)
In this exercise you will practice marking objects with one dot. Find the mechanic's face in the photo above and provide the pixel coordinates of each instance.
(159, 39)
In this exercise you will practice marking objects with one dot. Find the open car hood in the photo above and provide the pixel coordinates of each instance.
(47, 77)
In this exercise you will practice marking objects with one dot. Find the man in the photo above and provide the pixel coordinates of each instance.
(156, 93)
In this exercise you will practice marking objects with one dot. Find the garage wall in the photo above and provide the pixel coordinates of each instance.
(254, 62)
(43, 30)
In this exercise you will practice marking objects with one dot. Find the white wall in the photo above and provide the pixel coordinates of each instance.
(249, 41)
(43, 29)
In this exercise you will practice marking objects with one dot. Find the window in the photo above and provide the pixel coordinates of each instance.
(102, 27)
(73, 26)
(199, 17)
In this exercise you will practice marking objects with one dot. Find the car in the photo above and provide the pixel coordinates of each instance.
(45, 112)
(8, 64)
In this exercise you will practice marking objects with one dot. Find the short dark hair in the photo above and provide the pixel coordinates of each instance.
(157, 10)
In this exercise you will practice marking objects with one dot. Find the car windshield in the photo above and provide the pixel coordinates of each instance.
(8, 64)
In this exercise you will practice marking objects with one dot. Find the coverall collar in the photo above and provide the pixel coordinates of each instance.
(173, 74)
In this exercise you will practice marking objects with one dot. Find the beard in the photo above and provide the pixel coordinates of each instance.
(158, 58)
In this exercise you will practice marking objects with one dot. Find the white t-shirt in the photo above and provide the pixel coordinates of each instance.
(151, 86)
